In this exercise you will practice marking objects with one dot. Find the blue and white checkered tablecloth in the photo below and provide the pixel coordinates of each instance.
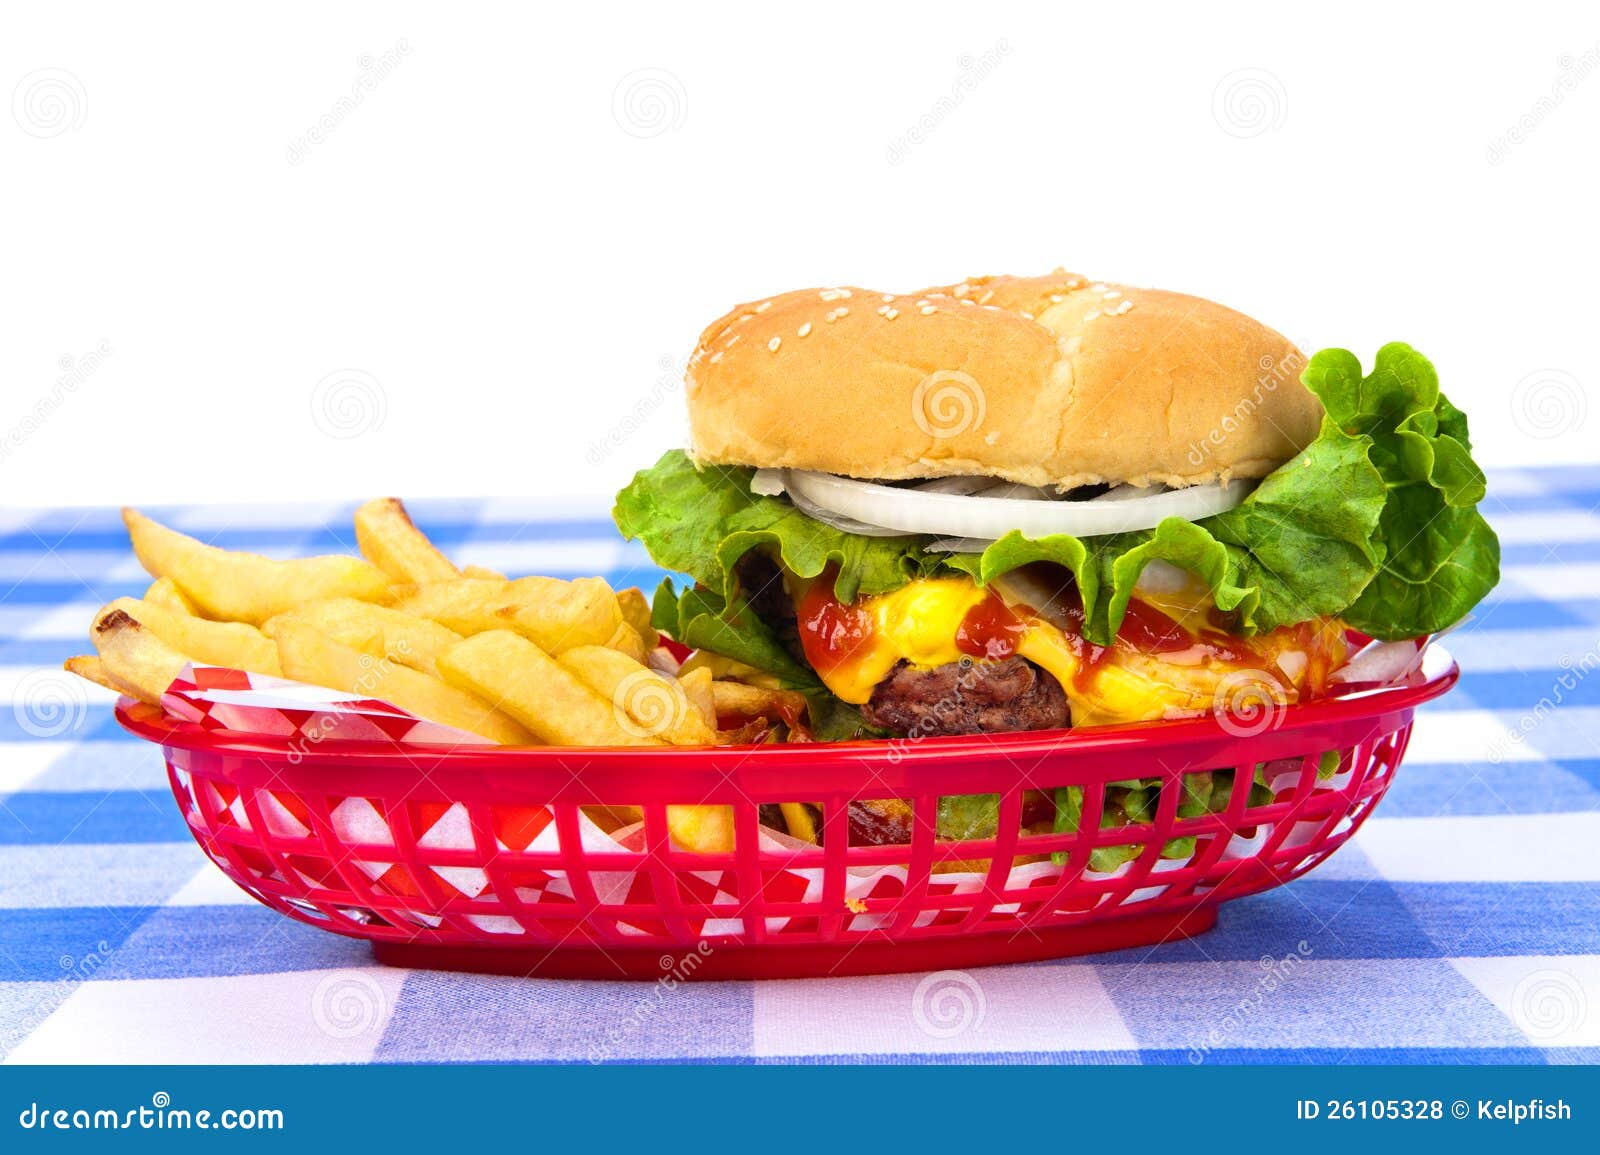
(1461, 925)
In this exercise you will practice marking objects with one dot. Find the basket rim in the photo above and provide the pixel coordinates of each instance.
(1438, 674)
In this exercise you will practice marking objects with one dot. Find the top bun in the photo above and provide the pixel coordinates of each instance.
(1047, 381)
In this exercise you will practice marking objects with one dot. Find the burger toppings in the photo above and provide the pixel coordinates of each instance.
(992, 508)
(967, 697)
(1372, 525)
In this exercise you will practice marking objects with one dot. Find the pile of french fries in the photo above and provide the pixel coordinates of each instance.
(525, 661)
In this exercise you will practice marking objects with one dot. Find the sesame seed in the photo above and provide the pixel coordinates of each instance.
(992, 308)
(1056, 298)
(888, 312)
(734, 340)
(715, 357)
(888, 296)
(987, 293)
(926, 309)
(990, 438)
(805, 329)
(962, 289)
(1091, 314)
(764, 306)
(1122, 308)
(968, 301)
(774, 343)
(1027, 314)
(1112, 295)
(834, 314)
(835, 294)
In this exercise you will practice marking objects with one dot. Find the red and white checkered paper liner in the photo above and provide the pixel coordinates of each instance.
(256, 703)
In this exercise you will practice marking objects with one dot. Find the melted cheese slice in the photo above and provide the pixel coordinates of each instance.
(918, 624)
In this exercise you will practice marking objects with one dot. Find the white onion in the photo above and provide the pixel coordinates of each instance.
(887, 510)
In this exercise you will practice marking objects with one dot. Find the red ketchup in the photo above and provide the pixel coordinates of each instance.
(990, 630)
(830, 631)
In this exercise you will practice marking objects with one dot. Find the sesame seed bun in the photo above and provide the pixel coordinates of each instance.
(1049, 381)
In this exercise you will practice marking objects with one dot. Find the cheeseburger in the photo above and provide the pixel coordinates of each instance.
(1026, 503)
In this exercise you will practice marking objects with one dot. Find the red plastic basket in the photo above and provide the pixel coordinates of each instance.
(484, 858)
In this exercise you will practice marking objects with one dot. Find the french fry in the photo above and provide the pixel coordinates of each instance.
(232, 644)
(90, 667)
(626, 640)
(722, 667)
(246, 587)
(164, 592)
(655, 705)
(697, 687)
(390, 540)
(136, 661)
(406, 638)
(636, 612)
(702, 829)
(745, 701)
(555, 615)
(309, 655)
(482, 571)
(508, 670)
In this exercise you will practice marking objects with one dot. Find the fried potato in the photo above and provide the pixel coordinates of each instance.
(697, 686)
(482, 571)
(702, 829)
(406, 638)
(164, 592)
(626, 640)
(232, 644)
(745, 701)
(517, 676)
(90, 667)
(553, 614)
(654, 705)
(309, 655)
(389, 540)
(246, 587)
(721, 667)
(636, 612)
(131, 655)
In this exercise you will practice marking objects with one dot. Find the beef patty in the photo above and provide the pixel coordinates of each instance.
(967, 697)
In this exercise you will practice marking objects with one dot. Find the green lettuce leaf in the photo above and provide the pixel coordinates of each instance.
(702, 521)
(1374, 522)
(701, 620)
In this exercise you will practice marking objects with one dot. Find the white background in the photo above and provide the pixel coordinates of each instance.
(477, 280)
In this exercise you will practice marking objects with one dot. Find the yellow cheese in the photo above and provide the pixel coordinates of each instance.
(916, 623)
